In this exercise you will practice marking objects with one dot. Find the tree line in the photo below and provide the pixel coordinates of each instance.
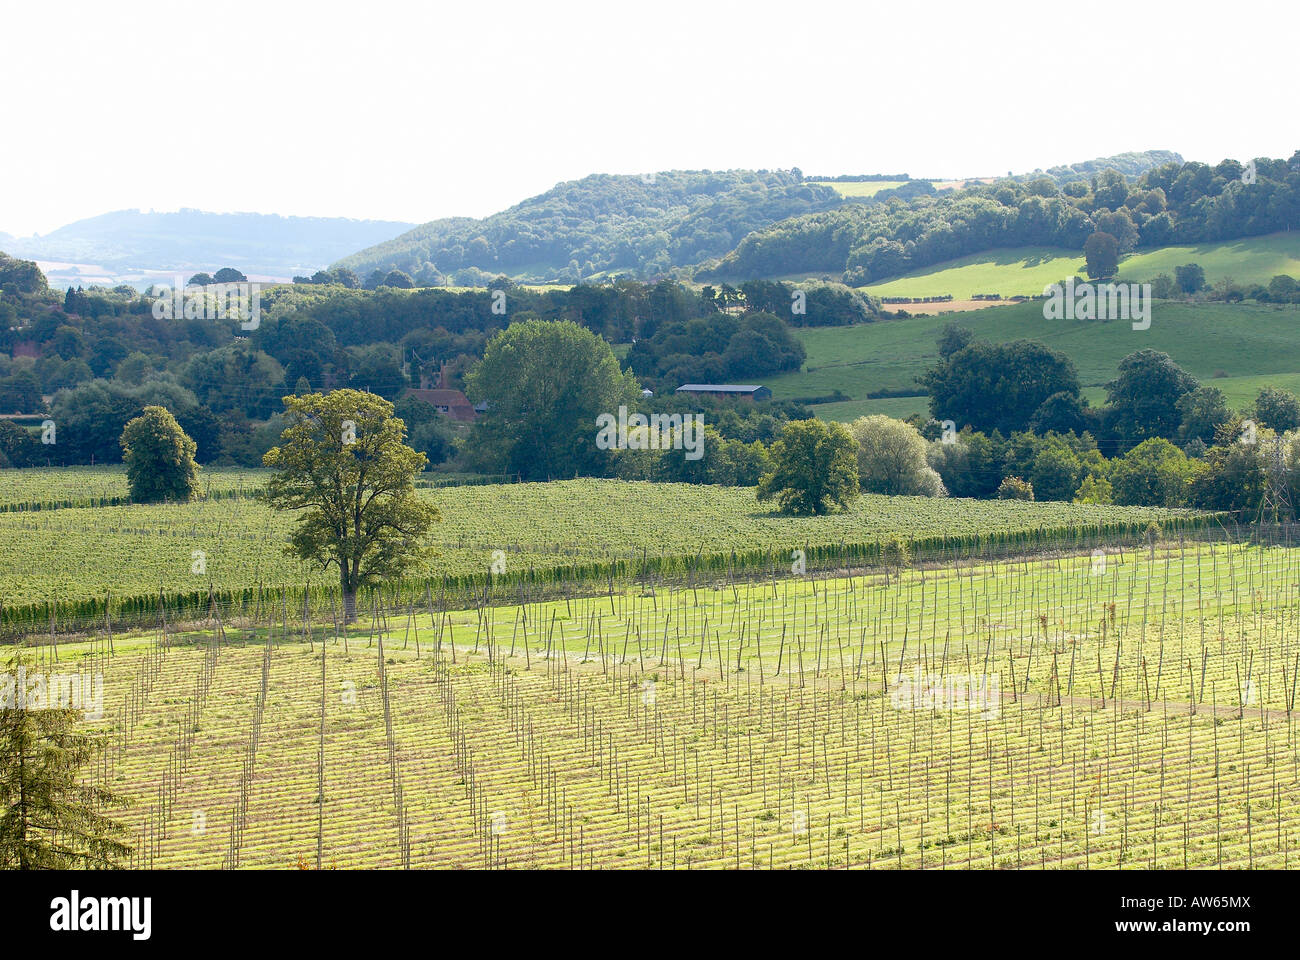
(101, 356)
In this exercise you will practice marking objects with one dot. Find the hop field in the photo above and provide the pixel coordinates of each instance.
(57, 488)
(64, 568)
(1124, 709)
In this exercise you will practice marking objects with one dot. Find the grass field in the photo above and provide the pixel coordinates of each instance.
(864, 188)
(1024, 271)
(1253, 344)
(535, 287)
(78, 556)
(61, 487)
(1019, 271)
(1240, 391)
(900, 408)
(1123, 710)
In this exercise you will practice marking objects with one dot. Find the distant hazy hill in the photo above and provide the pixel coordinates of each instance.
(604, 223)
(266, 244)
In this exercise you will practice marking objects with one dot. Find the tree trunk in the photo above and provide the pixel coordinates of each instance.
(348, 589)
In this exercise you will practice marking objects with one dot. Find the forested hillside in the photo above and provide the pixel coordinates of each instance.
(602, 223)
(1131, 164)
(1175, 203)
(649, 225)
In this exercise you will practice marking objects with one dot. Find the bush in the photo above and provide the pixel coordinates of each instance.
(1163, 286)
(897, 553)
(1014, 488)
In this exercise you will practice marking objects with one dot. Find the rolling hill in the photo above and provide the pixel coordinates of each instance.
(650, 225)
(603, 223)
(1024, 271)
(1236, 347)
(866, 243)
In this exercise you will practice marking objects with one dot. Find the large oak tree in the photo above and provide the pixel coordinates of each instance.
(342, 464)
(814, 468)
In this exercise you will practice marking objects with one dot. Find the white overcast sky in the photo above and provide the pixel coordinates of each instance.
(417, 110)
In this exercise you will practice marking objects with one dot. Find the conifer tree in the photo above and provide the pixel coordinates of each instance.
(50, 817)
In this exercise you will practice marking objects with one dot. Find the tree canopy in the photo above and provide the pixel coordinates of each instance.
(1142, 402)
(999, 386)
(1154, 202)
(643, 226)
(891, 458)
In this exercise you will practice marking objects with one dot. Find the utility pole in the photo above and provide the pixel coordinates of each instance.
(320, 764)
(1276, 507)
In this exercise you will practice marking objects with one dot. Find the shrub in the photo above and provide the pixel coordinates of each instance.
(1014, 488)
(1163, 286)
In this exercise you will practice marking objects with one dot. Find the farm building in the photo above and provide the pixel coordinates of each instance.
(449, 402)
(745, 391)
(452, 403)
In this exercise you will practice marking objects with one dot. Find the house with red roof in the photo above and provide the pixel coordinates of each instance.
(450, 403)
